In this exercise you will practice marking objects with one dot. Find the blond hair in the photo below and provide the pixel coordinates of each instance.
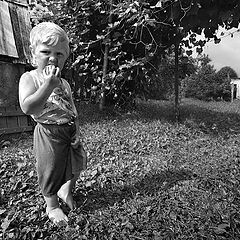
(48, 33)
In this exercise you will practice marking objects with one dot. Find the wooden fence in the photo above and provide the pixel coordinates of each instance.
(13, 120)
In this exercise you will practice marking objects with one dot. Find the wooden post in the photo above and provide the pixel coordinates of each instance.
(232, 87)
(232, 91)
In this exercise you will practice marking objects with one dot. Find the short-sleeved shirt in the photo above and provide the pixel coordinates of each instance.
(59, 107)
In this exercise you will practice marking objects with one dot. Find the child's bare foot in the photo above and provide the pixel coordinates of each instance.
(57, 216)
(68, 199)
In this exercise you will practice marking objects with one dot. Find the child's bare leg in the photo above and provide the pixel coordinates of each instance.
(65, 192)
(55, 213)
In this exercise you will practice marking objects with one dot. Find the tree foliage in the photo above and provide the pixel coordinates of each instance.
(138, 32)
(207, 83)
(201, 84)
(226, 72)
(223, 88)
(161, 82)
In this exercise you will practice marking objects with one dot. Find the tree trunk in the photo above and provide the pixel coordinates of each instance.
(105, 63)
(176, 82)
(105, 66)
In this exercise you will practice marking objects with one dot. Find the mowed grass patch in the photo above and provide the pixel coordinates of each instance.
(148, 177)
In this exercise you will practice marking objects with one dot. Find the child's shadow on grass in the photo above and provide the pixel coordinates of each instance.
(149, 185)
(162, 181)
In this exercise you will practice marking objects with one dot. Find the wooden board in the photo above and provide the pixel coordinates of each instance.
(7, 40)
(16, 130)
(13, 120)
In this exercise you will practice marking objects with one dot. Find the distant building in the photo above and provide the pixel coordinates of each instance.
(235, 88)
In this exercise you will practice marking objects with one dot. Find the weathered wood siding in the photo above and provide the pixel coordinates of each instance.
(9, 78)
(13, 120)
(14, 31)
(14, 59)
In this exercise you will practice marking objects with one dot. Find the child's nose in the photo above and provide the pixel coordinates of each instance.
(53, 60)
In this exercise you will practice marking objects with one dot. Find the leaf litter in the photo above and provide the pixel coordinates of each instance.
(147, 178)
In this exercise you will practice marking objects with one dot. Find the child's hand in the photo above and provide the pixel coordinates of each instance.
(51, 75)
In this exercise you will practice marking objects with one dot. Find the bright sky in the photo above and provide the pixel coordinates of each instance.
(225, 53)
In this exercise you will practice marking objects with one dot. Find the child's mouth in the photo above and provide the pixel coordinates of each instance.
(50, 64)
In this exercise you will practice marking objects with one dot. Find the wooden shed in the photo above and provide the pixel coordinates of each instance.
(14, 61)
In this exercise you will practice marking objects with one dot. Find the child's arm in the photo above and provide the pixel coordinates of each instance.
(32, 100)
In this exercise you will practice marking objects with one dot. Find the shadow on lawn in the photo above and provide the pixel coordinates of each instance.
(149, 185)
(207, 119)
(152, 183)
(194, 114)
(211, 121)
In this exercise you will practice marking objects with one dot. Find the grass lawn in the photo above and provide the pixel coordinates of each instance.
(147, 177)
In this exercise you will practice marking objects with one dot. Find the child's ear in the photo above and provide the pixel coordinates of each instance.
(31, 49)
(33, 60)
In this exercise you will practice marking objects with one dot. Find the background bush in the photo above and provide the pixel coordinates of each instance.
(208, 84)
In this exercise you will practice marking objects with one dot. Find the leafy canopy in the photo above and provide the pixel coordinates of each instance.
(138, 32)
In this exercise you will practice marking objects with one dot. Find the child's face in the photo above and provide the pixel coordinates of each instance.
(50, 55)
